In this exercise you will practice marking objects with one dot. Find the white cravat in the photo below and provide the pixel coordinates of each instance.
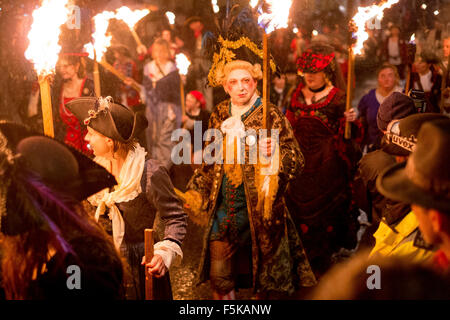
(129, 188)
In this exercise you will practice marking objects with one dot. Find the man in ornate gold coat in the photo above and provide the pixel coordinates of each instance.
(250, 239)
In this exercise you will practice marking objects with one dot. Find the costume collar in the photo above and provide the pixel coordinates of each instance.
(255, 102)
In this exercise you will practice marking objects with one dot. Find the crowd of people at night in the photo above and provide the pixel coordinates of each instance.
(338, 184)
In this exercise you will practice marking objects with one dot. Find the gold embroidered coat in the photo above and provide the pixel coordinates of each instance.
(279, 262)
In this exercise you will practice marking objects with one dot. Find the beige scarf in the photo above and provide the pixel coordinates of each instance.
(129, 188)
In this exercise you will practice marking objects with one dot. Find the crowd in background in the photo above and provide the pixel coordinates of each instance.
(330, 198)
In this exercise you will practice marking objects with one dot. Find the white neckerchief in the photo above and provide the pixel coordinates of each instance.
(426, 82)
(129, 188)
(394, 52)
(238, 111)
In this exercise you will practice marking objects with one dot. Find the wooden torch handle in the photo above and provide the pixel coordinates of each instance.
(148, 257)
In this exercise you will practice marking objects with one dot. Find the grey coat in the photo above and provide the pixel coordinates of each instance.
(158, 200)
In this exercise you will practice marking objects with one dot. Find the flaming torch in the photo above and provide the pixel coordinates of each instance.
(215, 6)
(270, 21)
(101, 43)
(359, 22)
(267, 171)
(410, 60)
(183, 64)
(131, 18)
(171, 17)
(44, 49)
(97, 50)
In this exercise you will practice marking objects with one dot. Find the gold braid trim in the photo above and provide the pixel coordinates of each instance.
(233, 171)
(263, 172)
(226, 55)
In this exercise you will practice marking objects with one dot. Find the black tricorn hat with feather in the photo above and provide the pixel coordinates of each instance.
(239, 39)
(34, 166)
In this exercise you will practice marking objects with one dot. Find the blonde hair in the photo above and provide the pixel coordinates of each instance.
(164, 49)
(254, 70)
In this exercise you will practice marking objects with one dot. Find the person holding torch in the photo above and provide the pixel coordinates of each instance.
(245, 246)
(319, 198)
(143, 190)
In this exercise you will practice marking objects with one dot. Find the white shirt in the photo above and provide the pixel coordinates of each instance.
(426, 82)
(394, 51)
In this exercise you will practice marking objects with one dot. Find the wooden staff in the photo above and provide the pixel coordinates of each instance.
(96, 73)
(408, 79)
(183, 103)
(411, 57)
(265, 78)
(351, 59)
(119, 74)
(148, 258)
(136, 37)
(46, 104)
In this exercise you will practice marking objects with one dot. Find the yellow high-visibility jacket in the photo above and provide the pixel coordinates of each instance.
(402, 240)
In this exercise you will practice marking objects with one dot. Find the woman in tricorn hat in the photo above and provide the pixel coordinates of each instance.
(50, 247)
(319, 199)
(144, 188)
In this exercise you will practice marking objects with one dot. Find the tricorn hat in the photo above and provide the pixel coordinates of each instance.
(56, 163)
(113, 120)
(240, 39)
(59, 167)
(424, 179)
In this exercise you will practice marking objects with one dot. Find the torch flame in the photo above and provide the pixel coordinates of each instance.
(171, 17)
(215, 6)
(182, 63)
(130, 17)
(413, 38)
(43, 50)
(365, 14)
(278, 17)
(101, 41)
(253, 3)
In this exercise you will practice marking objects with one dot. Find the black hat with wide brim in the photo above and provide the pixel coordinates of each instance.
(393, 183)
(115, 121)
(58, 165)
(425, 178)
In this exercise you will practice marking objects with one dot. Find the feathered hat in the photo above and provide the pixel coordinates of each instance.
(316, 58)
(239, 39)
(26, 157)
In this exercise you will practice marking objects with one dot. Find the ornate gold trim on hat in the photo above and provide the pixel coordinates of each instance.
(227, 55)
(103, 104)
